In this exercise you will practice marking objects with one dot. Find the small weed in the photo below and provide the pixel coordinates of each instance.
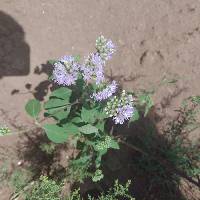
(48, 189)
(45, 189)
(4, 130)
(20, 178)
(116, 193)
(4, 174)
(48, 148)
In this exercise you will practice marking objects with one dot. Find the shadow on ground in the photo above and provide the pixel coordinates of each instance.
(14, 51)
(41, 89)
(154, 162)
(147, 157)
(137, 162)
(40, 160)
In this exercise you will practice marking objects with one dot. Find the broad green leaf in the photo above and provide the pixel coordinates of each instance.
(82, 160)
(100, 125)
(76, 120)
(71, 129)
(88, 129)
(102, 115)
(59, 134)
(56, 133)
(55, 103)
(33, 108)
(59, 113)
(62, 93)
(114, 144)
(89, 116)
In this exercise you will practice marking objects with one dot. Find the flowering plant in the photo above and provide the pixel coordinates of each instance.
(84, 103)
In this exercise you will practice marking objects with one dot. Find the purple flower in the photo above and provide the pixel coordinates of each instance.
(69, 59)
(61, 75)
(87, 72)
(123, 113)
(96, 60)
(110, 49)
(70, 63)
(93, 68)
(105, 48)
(105, 93)
(99, 74)
(110, 45)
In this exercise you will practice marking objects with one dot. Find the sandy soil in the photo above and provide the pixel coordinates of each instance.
(157, 41)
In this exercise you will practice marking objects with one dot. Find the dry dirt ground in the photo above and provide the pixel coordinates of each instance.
(157, 41)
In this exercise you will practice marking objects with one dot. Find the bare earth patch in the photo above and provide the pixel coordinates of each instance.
(157, 42)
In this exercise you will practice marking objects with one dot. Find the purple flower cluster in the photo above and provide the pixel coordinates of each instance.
(105, 48)
(70, 63)
(110, 49)
(65, 71)
(123, 113)
(93, 68)
(61, 76)
(120, 108)
(69, 59)
(105, 93)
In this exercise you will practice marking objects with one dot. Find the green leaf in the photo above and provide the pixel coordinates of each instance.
(55, 103)
(195, 99)
(62, 93)
(77, 120)
(52, 62)
(114, 144)
(89, 116)
(102, 115)
(135, 117)
(50, 77)
(99, 157)
(82, 160)
(56, 133)
(77, 58)
(106, 143)
(100, 125)
(98, 175)
(33, 108)
(71, 128)
(59, 113)
(59, 134)
(146, 100)
(94, 86)
(88, 129)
